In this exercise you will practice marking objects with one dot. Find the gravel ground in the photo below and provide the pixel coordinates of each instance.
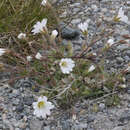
(16, 100)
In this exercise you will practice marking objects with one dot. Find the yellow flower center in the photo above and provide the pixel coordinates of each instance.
(85, 33)
(64, 64)
(117, 19)
(41, 104)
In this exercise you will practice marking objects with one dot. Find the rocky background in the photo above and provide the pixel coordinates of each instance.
(16, 112)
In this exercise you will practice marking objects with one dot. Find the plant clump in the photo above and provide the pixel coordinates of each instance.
(66, 77)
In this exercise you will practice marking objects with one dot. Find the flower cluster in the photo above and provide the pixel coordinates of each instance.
(42, 107)
(66, 65)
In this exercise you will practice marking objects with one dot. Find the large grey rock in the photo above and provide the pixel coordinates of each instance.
(68, 32)
(73, 37)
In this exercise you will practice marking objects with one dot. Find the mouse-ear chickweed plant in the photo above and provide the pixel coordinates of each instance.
(66, 76)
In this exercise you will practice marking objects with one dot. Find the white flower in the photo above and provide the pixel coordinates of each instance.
(40, 26)
(94, 7)
(22, 36)
(38, 56)
(54, 34)
(2, 51)
(44, 2)
(29, 58)
(123, 86)
(128, 69)
(74, 117)
(92, 67)
(123, 79)
(84, 26)
(42, 107)
(94, 54)
(121, 16)
(66, 65)
(110, 42)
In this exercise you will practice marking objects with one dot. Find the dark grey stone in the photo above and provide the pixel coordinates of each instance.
(125, 116)
(1, 126)
(0, 118)
(128, 90)
(28, 101)
(19, 116)
(128, 77)
(119, 60)
(68, 32)
(127, 58)
(90, 118)
(11, 96)
(128, 105)
(36, 89)
(128, 53)
(20, 107)
(66, 125)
